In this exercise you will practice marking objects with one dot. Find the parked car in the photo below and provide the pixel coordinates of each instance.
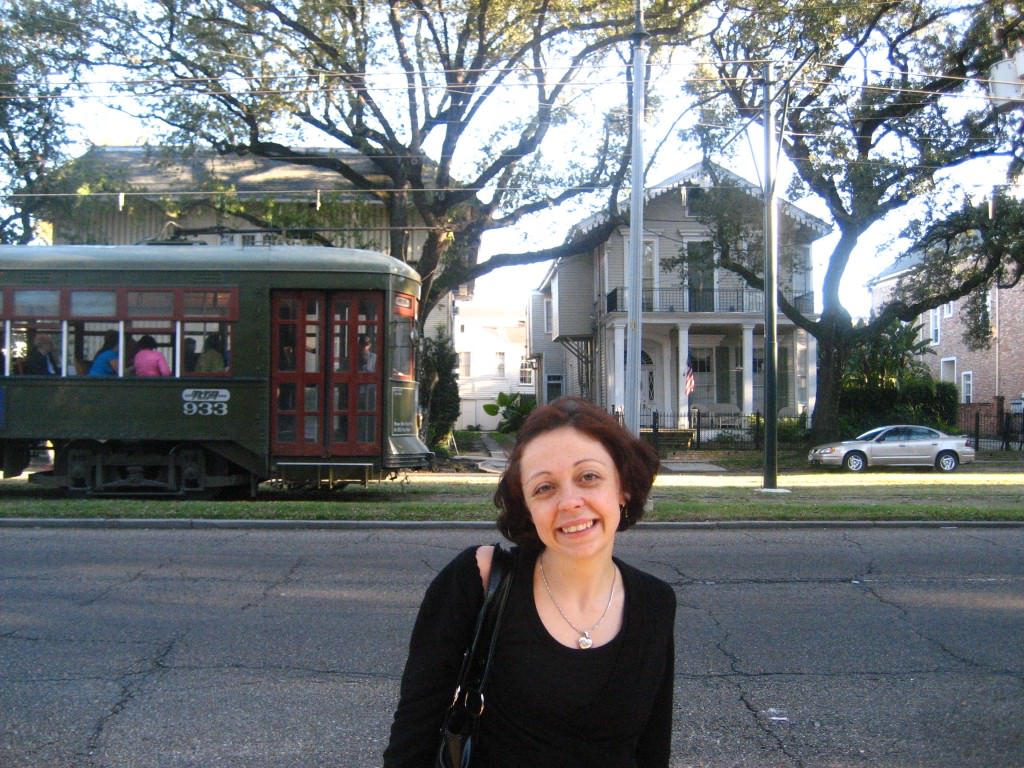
(898, 445)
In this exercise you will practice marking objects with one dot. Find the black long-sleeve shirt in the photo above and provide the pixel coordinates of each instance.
(547, 706)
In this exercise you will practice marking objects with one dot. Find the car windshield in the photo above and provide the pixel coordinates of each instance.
(871, 434)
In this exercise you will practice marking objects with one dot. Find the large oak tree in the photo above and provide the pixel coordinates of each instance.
(457, 103)
(877, 103)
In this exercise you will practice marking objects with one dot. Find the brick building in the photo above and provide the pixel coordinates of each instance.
(988, 380)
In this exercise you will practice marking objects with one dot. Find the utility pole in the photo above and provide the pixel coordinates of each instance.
(771, 260)
(634, 262)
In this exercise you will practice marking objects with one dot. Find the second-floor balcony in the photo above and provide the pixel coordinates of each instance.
(689, 300)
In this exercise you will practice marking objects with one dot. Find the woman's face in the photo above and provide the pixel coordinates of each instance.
(572, 490)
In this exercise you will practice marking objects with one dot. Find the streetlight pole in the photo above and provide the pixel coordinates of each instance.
(771, 260)
(634, 271)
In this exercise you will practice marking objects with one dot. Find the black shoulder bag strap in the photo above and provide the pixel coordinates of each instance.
(462, 717)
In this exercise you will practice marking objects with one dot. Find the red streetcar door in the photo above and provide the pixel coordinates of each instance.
(326, 373)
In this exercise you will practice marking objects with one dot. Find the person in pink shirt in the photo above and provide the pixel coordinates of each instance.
(148, 360)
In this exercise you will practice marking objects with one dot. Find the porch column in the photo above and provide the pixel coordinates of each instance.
(665, 399)
(619, 369)
(748, 369)
(683, 410)
(812, 375)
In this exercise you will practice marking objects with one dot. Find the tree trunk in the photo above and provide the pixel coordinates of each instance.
(825, 421)
(833, 351)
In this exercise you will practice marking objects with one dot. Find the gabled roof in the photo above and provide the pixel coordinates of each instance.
(907, 262)
(166, 171)
(697, 175)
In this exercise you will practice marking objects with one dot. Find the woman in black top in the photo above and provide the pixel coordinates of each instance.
(583, 668)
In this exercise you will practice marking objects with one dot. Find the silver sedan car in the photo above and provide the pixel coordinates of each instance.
(899, 445)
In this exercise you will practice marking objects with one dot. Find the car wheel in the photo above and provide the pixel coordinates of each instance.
(855, 461)
(947, 461)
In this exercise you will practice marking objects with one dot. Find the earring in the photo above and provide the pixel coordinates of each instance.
(623, 517)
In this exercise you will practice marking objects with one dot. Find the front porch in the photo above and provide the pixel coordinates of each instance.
(712, 369)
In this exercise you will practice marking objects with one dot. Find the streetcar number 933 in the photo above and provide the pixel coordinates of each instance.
(205, 402)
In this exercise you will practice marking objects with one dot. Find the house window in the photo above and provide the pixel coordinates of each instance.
(547, 315)
(700, 360)
(650, 276)
(499, 363)
(552, 388)
(525, 372)
(947, 309)
(692, 197)
(967, 387)
(934, 326)
(947, 369)
(464, 365)
(701, 363)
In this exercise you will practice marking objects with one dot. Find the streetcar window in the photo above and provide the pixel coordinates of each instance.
(341, 427)
(341, 313)
(286, 428)
(25, 358)
(288, 309)
(206, 348)
(29, 302)
(182, 320)
(366, 420)
(150, 304)
(162, 333)
(93, 304)
(286, 348)
(312, 360)
(207, 304)
(403, 337)
(89, 343)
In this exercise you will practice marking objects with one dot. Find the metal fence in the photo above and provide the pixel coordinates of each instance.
(710, 431)
(715, 431)
(994, 432)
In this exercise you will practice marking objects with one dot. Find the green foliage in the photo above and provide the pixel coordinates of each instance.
(790, 429)
(513, 409)
(889, 359)
(885, 382)
(919, 401)
(42, 50)
(439, 391)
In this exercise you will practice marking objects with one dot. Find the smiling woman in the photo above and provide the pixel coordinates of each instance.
(583, 662)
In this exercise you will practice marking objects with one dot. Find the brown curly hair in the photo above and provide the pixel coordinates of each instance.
(636, 461)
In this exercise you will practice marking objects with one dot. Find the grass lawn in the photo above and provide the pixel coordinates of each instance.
(986, 491)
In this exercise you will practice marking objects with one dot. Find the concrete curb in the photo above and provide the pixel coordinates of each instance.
(358, 525)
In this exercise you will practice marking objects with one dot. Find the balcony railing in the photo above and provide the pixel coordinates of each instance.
(738, 300)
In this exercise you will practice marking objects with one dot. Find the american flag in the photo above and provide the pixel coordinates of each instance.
(690, 386)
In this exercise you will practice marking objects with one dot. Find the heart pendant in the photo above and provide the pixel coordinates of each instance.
(585, 642)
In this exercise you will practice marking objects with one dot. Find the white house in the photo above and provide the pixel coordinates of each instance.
(699, 320)
(491, 345)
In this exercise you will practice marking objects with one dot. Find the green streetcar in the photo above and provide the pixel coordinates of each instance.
(288, 364)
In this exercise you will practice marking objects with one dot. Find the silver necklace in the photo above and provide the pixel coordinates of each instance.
(585, 640)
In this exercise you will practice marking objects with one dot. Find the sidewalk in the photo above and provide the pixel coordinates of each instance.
(496, 458)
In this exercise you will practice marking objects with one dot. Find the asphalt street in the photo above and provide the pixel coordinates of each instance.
(895, 647)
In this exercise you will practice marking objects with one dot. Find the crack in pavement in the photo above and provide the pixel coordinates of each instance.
(276, 584)
(131, 684)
